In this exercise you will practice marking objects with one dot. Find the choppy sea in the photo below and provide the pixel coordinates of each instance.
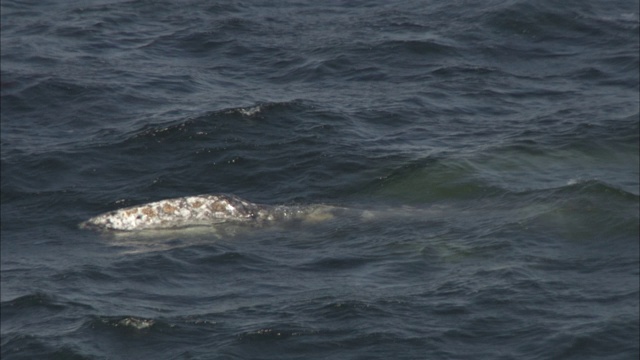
(496, 143)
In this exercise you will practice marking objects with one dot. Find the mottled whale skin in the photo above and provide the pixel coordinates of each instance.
(201, 210)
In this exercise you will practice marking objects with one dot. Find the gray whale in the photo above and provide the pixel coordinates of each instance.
(202, 210)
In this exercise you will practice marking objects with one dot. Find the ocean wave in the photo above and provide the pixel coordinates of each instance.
(126, 322)
(589, 187)
(274, 333)
(18, 346)
(33, 301)
(196, 126)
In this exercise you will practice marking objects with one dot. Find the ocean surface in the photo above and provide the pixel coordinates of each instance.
(489, 150)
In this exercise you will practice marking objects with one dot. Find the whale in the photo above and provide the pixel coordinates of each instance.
(203, 210)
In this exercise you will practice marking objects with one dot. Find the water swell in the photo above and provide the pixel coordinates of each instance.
(31, 302)
(32, 347)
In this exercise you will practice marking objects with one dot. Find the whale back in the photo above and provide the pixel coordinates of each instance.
(200, 210)
(204, 210)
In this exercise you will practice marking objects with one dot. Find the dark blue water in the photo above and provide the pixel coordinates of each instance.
(495, 143)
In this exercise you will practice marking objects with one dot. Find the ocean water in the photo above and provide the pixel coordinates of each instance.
(490, 148)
